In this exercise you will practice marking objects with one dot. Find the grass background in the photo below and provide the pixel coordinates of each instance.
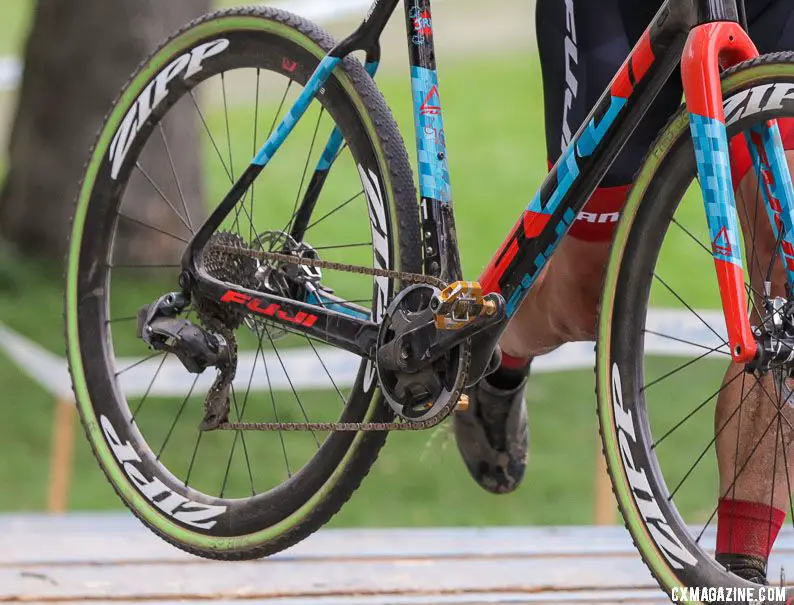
(497, 158)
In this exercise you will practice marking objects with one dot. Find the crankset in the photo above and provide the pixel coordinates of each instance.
(423, 342)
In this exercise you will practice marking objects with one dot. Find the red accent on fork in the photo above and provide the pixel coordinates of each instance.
(710, 47)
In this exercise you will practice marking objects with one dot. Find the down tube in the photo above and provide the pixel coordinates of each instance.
(583, 164)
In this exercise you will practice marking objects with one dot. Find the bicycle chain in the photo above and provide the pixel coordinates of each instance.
(410, 278)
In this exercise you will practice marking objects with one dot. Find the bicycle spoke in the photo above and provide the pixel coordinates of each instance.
(754, 257)
(288, 227)
(178, 416)
(681, 367)
(120, 319)
(771, 400)
(144, 266)
(149, 388)
(736, 477)
(736, 465)
(153, 228)
(176, 179)
(254, 147)
(193, 458)
(275, 411)
(212, 139)
(362, 245)
(163, 197)
(786, 469)
(289, 380)
(137, 363)
(774, 479)
(335, 210)
(239, 433)
(331, 378)
(775, 254)
(695, 313)
(708, 447)
(687, 342)
(228, 132)
(696, 410)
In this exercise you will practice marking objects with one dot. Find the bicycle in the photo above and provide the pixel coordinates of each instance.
(427, 334)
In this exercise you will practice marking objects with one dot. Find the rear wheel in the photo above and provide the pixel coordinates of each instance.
(662, 359)
(233, 75)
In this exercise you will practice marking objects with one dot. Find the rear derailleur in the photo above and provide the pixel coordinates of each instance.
(160, 327)
(432, 344)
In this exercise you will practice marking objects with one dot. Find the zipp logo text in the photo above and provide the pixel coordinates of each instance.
(158, 493)
(655, 521)
(185, 66)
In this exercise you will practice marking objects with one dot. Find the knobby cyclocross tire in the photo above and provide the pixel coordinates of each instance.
(269, 522)
(658, 531)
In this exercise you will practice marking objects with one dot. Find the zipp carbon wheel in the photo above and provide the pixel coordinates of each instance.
(231, 76)
(668, 397)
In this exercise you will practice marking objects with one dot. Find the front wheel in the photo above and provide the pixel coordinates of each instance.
(231, 77)
(669, 399)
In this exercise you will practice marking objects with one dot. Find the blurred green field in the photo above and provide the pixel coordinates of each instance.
(497, 159)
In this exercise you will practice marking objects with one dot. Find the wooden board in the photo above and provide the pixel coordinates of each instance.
(112, 558)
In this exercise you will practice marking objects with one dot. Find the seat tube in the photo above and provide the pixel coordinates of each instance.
(441, 255)
(710, 47)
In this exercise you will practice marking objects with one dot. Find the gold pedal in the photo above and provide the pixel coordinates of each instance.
(459, 304)
(463, 403)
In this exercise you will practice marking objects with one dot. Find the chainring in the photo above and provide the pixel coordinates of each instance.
(425, 394)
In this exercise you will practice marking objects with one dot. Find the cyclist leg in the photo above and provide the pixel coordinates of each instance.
(582, 45)
(578, 64)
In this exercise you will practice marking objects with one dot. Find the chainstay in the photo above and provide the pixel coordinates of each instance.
(341, 427)
(412, 278)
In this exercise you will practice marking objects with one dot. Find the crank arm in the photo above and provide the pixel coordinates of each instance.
(417, 348)
(448, 339)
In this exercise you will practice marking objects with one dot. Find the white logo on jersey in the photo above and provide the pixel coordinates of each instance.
(571, 57)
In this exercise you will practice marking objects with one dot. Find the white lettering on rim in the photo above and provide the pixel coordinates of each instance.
(187, 65)
(175, 505)
(767, 97)
(643, 495)
(380, 251)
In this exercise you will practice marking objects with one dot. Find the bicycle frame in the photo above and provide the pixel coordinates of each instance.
(705, 33)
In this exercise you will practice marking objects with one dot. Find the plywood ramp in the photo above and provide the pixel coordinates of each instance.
(112, 558)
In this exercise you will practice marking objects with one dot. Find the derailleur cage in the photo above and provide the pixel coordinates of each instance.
(197, 349)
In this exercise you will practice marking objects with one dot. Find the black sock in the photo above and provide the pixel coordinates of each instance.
(511, 373)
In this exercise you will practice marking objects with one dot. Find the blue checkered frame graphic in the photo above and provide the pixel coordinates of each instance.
(313, 86)
(434, 180)
(713, 161)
